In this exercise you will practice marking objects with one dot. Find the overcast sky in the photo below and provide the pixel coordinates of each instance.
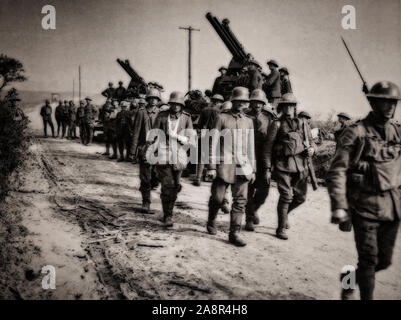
(303, 35)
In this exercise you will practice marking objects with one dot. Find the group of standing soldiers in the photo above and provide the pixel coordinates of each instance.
(68, 117)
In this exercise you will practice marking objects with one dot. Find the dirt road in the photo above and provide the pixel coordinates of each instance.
(80, 214)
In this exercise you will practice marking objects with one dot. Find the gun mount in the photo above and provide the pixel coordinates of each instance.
(240, 58)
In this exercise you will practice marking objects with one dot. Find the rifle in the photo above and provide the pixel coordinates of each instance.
(311, 169)
(365, 85)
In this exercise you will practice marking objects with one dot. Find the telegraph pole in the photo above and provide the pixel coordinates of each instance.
(189, 29)
(73, 90)
(79, 82)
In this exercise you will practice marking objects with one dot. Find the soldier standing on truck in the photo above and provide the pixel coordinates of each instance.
(364, 183)
(109, 92)
(255, 79)
(46, 113)
(216, 86)
(258, 190)
(285, 81)
(120, 92)
(286, 152)
(272, 84)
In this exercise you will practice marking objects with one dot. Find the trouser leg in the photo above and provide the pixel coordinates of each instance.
(284, 185)
(218, 192)
(51, 127)
(90, 128)
(239, 192)
(145, 170)
(45, 127)
(168, 193)
(300, 189)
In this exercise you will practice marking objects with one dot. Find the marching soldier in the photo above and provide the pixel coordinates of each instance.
(90, 116)
(81, 121)
(120, 92)
(109, 92)
(177, 125)
(72, 117)
(285, 81)
(344, 120)
(64, 119)
(124, 131)
(144, 122)
(240, 169)
(285, 151)
(272, 84)
(259, 190)
(46, 113)
(59, 116)
(216, 86)
(364, 185)
(206, 121)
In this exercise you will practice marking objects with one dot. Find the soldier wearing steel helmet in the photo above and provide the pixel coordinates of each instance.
(109, 92)
(235, 169)
(216, 86)
(285, 82)
(46, 113)
(364, 185)
(255, 79)
(144, 122)
(286, 152)
(120, 92)
(259, 190)
(344, 120)
(89, 120)
(272, 84)
(177, 127)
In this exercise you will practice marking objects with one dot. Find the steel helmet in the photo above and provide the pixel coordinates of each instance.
(272, 62)
(141, 101)
(240, 94)
(177, 97)
(285, 70)
(288, 98)
(385, 90)
(344, 115)
(153, 93)
(110, 84)
(227, 105)
(258, 95)
(304, 114)
(218, 97)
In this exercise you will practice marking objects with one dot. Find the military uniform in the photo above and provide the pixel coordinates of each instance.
(259, 190)
(72, 116)
(81, 123)
(285, 85)
(272, 85)
(365, 179)
(59, 117)
(168, 174)
(46, 113)
(236, 173)
(124, 132)
(285, 151)
(120, 93)
(109, 92)
(89, 119)
(144, 122)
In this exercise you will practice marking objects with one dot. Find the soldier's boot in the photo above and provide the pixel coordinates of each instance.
(146, 208)
(168, 206)
(121, 159)
(113, 156)
(366, 282)
(196, 182)
(225, 208)
(234, 238)
(282, 210)
(346, 294)
(211, 220)
(107, 153)
(249, 226)
(256, 219)
(250, 217)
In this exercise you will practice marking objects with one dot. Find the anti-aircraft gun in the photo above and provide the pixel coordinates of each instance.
(240, 58)
(137, 85)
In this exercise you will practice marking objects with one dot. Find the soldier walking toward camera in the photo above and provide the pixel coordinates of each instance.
(64, 119)
(90, 117)
(72, 117)
(236, 167)
(258, 190)
(286, 150)
(81, 121)
(173, 123)
(124, 131)
(285, 81)
(144, 122)
(59, 116)
(272, 84)
(344, 120)
(364, 185)
(46, 113)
